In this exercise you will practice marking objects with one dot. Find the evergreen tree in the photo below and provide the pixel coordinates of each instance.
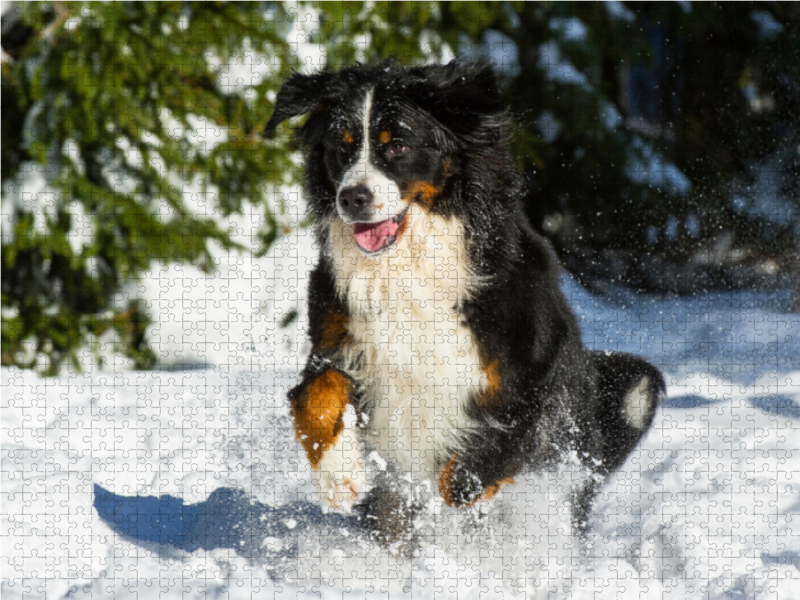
(102, 107)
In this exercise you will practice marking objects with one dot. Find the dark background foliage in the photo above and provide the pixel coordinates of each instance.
(660, 141)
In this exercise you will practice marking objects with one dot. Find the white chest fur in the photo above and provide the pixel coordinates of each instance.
(415, 360)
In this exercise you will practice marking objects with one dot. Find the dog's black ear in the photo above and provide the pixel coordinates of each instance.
(465, 86)
(299, 95)
(463, 95)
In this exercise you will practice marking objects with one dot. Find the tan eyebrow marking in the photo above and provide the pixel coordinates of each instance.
(447, 168)
(347, 136)
(385, 137)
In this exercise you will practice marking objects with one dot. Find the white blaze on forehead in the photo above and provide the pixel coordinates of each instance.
(386, 201)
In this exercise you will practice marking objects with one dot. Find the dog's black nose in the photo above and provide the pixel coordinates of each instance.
(355, 198)
(356, 202)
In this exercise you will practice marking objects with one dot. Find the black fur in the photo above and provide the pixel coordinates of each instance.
(555, 396)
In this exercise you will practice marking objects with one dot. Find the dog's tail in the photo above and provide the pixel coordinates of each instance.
(630, 390)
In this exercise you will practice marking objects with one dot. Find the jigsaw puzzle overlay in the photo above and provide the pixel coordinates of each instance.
(187, 481)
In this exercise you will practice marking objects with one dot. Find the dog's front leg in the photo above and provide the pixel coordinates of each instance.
(319, 406)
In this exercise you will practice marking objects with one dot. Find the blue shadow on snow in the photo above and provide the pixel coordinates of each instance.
(774, 404)
(227, 519)
(689, 401)
(778, 405)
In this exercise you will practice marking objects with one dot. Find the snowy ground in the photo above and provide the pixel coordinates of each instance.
(187, 483)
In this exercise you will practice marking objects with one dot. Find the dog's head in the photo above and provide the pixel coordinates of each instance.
(380, 139)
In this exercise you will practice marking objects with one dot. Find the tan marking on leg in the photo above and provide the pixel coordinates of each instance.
(492, 490)
(318, 415)
(445, 488)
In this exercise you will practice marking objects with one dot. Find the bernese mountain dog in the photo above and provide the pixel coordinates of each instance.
(440, 337)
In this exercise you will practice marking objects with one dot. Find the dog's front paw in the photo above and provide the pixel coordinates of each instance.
(341, 475)
(458, 486)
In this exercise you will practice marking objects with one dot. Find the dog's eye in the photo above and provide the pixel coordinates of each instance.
(396, 149)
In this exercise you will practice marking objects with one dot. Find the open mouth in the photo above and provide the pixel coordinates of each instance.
(376, 237)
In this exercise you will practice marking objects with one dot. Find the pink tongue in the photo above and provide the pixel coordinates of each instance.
(373, 236)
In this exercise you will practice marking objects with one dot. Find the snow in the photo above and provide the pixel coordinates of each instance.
(549, 126)
(244, 71)
(559, 69)
(109, 476)
(570, 30)
(610, 115)
(768, 27)
(232, 315)
(500, 50)
(619, 12)
(767, 196)
(650, 167)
